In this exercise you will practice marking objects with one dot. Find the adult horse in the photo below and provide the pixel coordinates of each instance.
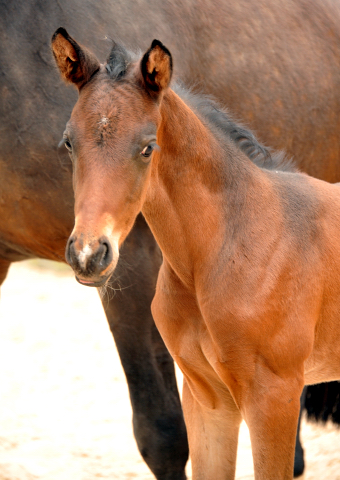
(248, 295)
(262, 58)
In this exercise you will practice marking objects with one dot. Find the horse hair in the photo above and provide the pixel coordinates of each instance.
(118, 61)
(117, 65)
(243, 138)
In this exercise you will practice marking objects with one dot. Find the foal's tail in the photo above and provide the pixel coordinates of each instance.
(323, 402)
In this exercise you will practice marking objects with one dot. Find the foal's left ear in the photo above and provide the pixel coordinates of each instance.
(156, 68)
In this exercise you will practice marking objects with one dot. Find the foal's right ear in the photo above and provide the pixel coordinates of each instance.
(76, 64)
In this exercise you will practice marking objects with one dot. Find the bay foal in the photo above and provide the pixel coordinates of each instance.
(248, 296)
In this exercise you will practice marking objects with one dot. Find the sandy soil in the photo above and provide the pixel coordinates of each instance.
(65, 412)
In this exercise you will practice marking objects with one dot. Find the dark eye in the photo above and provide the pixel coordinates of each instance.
(147, 151)
(68, 144)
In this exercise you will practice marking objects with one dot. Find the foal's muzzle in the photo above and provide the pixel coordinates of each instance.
(91, 262)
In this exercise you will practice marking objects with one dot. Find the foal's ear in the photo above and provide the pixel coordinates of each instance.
(156, 68)
(76, 64)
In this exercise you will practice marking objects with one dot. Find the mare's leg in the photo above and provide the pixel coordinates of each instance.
(213, 436)
(299, 462)
(157, 414)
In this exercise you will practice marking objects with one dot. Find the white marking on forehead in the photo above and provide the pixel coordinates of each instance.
(83, 254)
(104, 121)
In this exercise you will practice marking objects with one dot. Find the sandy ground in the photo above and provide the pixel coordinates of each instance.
(65, 412)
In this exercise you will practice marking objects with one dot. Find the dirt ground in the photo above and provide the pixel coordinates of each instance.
(65, 412)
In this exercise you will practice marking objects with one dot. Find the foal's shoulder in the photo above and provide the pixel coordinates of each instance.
(306, 197)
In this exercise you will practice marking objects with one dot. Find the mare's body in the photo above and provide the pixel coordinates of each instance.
(245, 53)
(248, 295)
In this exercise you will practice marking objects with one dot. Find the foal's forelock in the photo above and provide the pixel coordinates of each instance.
(118, 61)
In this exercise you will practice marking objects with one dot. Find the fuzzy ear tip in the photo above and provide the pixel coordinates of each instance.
(158, 43)
(60, 31)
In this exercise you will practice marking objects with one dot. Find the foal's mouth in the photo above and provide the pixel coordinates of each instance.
(91, 283)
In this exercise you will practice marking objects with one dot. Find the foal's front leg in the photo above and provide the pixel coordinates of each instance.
(271, 410)
(213, 436)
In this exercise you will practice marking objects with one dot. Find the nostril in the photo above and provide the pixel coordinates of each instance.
(69, 254)
(106, 253)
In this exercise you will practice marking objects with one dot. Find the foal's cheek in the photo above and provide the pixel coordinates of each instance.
(74, 182)
(74, 173)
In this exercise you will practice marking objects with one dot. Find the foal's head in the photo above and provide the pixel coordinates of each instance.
(111, 136)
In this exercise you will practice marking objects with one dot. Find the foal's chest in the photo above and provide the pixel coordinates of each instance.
(180, 323)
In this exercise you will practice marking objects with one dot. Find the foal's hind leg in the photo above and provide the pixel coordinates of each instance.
(213, 436)
(157, 414)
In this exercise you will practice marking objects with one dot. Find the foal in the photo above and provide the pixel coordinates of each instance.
(248, 296)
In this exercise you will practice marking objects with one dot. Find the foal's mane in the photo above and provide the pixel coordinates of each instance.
(243, 138)
(218, 118)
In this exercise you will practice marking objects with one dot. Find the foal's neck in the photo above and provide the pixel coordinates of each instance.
(186, 204)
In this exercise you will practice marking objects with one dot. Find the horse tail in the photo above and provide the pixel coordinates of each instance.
(323, 402)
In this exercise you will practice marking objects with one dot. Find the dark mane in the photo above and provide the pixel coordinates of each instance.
(241, 137)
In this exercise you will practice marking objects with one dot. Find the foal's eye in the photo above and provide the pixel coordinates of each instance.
(147, 151)
(68, 144)
(65, 141)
